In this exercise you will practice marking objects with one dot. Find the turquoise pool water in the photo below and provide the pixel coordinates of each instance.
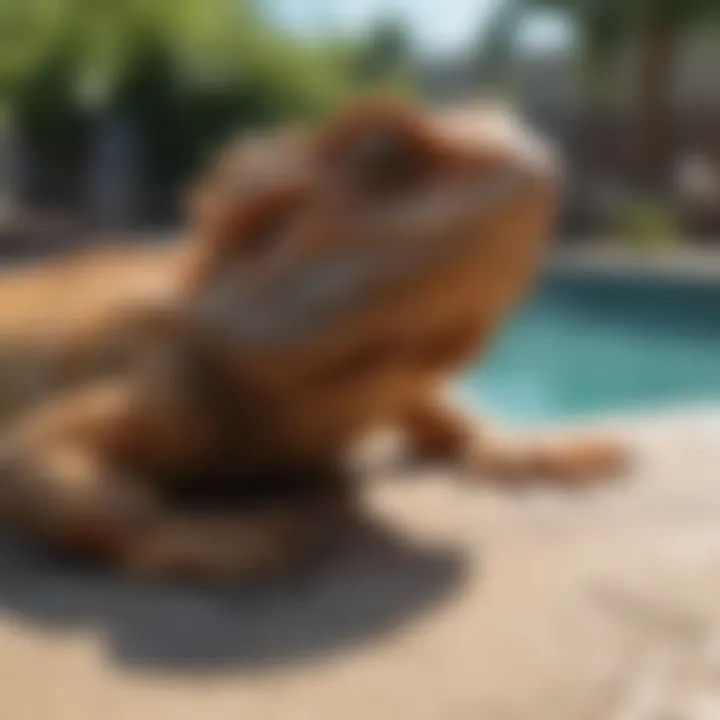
(584, 346)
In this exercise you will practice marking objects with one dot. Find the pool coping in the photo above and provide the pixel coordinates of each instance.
(701, 265)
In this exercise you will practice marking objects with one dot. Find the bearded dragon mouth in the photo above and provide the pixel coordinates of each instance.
(313, 295)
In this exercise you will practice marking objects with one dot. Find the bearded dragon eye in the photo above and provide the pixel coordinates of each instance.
(382, 160)
(382, 150)
(268, 234)
(270, 226)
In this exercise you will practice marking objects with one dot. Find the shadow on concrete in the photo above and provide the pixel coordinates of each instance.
(373, 582)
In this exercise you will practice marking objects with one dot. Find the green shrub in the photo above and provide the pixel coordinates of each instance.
(649, 225)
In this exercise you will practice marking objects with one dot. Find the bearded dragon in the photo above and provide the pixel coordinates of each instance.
(329, 283)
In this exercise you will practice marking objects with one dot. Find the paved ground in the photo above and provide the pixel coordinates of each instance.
(600, 606)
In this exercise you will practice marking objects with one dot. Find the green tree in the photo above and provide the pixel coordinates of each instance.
(385, 55)
(185, 73)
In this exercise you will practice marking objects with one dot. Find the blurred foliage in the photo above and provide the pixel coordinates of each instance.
(493, 50)
(648, 225)
(384, 56)
(606, 27)
(185, 73)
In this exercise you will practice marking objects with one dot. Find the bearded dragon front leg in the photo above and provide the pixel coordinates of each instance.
(436, 429)
(75, 501)
(67, 476)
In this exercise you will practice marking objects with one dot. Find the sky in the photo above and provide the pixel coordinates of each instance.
(438, 26)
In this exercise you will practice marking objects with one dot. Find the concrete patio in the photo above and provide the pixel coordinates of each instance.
(459, 604)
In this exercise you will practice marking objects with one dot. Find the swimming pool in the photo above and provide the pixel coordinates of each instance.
(585, 346)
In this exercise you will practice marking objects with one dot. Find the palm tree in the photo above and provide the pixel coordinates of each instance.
(655, 27)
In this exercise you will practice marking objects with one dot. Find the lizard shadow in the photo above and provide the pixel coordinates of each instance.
(373, 581)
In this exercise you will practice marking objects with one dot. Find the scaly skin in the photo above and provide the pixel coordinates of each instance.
(330, 283)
